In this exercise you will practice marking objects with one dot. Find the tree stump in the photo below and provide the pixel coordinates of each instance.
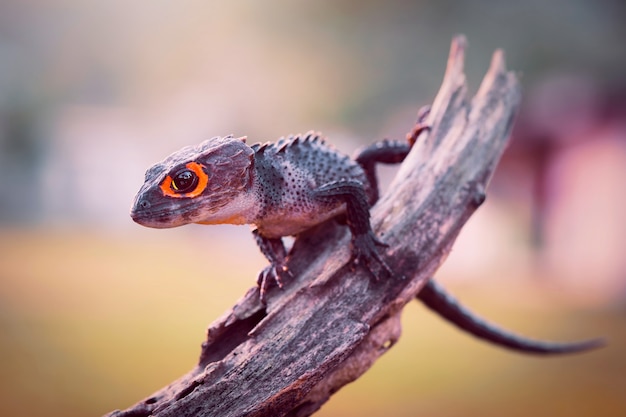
(333, 320)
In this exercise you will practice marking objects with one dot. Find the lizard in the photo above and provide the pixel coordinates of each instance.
(288, 186)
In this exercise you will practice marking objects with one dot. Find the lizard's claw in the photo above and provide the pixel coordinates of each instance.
(365, 250)
(273, 273)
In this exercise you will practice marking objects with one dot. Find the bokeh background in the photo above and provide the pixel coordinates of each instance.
(97, 312)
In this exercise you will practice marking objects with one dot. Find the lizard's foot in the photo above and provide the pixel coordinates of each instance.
(365, 250)
(419, 126)
(273, 273)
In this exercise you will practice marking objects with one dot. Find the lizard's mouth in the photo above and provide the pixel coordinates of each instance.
(159, 219)
(159, 215)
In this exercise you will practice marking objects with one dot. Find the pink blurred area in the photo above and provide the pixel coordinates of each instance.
(97, 312)
(560, 194)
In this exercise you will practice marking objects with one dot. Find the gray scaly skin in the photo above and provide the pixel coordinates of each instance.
(285, 188)
(282, 188)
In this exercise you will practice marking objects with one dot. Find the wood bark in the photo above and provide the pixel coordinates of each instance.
(333, 320)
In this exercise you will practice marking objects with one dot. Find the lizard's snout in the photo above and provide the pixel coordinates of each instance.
(150, 213)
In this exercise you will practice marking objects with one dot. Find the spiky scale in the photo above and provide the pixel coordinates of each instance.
(289, 171)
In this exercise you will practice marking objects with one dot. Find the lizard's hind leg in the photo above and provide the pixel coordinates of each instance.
(386, 152)
(389, 152)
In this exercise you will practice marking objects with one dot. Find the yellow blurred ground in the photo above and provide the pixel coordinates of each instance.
(93, 322)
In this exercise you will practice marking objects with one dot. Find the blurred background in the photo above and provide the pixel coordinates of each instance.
(97, 312)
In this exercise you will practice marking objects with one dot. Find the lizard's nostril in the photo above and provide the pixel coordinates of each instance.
(140, 210)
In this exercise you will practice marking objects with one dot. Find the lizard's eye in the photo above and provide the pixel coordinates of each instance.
(184, 181)
(187, 182)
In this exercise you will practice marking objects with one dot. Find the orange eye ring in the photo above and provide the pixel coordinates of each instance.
(169, 189)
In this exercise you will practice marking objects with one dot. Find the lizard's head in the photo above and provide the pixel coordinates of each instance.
(207, 183)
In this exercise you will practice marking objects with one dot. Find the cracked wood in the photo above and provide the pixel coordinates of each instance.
(330, 324)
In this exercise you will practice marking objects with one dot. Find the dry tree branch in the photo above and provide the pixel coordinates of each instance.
(330, 324)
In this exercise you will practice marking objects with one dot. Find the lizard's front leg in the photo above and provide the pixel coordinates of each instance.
(365, 244)
(275, 252)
